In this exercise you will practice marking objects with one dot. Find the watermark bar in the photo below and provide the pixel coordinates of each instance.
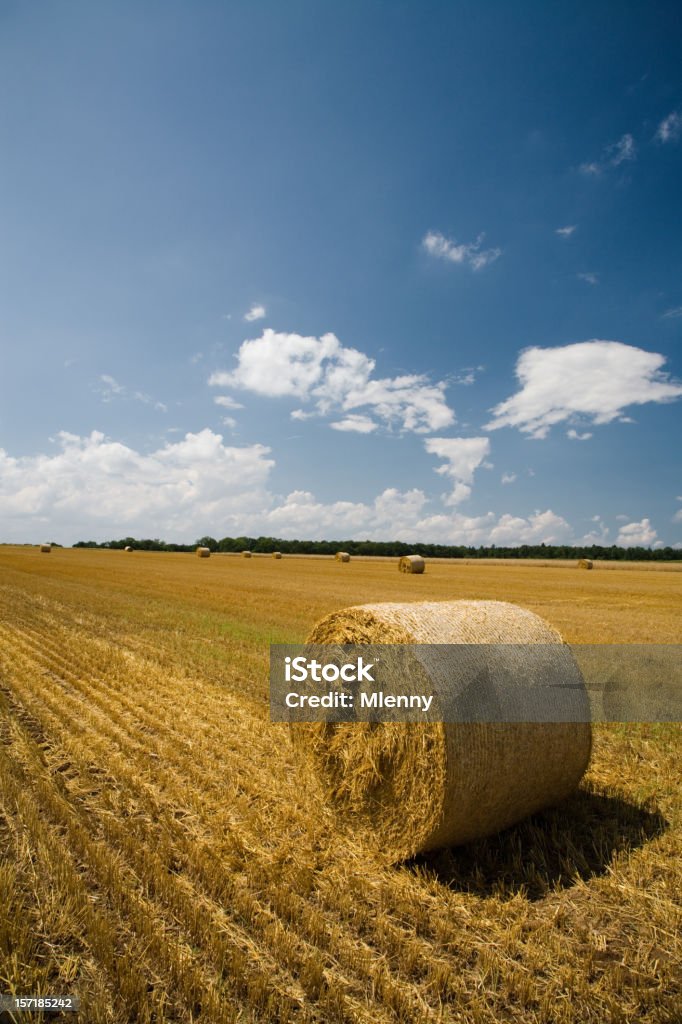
(476, 683)
(39, 1004)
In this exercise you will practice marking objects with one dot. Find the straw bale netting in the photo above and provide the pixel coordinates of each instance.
(585, 563)
(46, 548)
(127, 548)
(276, 554)
(342, 556)
(204, 552)
(405, 788)
(246, 554)
(412, 563)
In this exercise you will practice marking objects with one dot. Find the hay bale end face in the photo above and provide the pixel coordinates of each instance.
(412, 563)
(342, 556)
(204, 552)
(407, 788)
(585, 563)
(46, 548)
(246, 554)
(276, 554)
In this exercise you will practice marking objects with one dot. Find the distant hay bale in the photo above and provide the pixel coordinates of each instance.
(127, 548)
(246, 554)
(405, 788)
(276, 554)
(585, 563)
(204, 552)
(342, 556)
(46, 548)
(412, 563)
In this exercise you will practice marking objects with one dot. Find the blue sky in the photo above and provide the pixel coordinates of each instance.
(341, 270)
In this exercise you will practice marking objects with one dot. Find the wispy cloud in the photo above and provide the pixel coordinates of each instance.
(595, 380)
(670, 128)
(567, 231)
(617, 153)
(109, 389)
(227, 402)
(508, 478)
(465, 254)
(671, 314)
(573, 435)
(466, 376)
(589, 278)
(255, 313)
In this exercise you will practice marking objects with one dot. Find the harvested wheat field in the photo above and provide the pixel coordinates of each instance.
(163, 859)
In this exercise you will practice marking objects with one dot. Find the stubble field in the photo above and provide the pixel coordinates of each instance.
(162, 857)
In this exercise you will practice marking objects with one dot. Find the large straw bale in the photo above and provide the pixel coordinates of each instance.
(204, 552)
(128, 547)
(46, 548)
(585, 563)
(276, 554)
(406, 788)
(342, 556)
(412, 563)
(246, 554)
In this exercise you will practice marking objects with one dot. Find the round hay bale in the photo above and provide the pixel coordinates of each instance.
(276, 554)
(246, 554)
(412, 563)
(342, 556)
(127, 548)
(585, 563)
(46, 548)
(204, 552)
(406, 788)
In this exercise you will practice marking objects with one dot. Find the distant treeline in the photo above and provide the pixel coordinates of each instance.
(396, 548)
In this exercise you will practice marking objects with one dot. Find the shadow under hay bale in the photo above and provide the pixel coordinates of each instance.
(574, 841)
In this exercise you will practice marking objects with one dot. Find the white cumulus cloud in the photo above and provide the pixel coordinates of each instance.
(641, 534)
(463, 456)
(595, 379)
(96, 488)
(335, 378)
(358, 424)
(468, 254)
(93, 487)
